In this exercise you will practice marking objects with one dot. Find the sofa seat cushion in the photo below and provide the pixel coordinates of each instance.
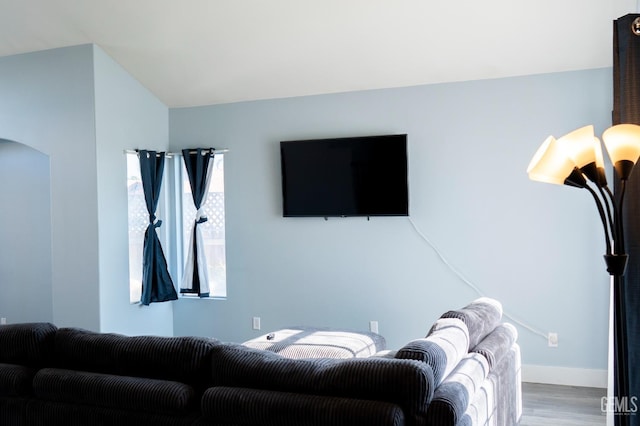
(311, 342)
(15, 380)
(112, 391)
(29, 344)
(238, 406)
(446, 344)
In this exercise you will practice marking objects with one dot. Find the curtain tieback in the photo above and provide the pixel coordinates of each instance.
(152, 221)
(200, 217)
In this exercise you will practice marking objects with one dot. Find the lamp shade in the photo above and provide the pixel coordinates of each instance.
(550, 164)
(623, 145)
(579, 146)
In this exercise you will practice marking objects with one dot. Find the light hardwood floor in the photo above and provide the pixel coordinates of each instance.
(551, 405)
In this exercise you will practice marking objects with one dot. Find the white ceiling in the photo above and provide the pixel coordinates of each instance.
(199, 52)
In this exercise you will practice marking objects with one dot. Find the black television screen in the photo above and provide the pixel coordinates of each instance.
(361, 176)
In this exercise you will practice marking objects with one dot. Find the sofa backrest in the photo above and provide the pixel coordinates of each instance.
(444, 347)
(407, 383)
(181, 359)
(29, 344)
(480, 316)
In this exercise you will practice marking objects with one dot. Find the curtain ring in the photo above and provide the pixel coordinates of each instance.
(635, 26)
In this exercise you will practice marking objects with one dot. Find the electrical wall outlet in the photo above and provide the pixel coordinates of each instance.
(256, 323)
(553, 340)
(373, 326)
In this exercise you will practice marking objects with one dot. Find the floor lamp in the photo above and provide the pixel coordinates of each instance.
(576, 160)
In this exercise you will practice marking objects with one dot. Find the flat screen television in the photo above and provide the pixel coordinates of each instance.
(358, 176)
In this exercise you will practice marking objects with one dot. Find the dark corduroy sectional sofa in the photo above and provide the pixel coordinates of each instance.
(465, 372)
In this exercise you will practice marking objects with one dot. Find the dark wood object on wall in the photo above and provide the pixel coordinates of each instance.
(626, 109)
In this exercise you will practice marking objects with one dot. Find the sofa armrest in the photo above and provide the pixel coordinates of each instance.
(15, 380)
(452, 398)
(442, 349)
(29, 344)
(480, 316)
(241, 406)
(497, 343)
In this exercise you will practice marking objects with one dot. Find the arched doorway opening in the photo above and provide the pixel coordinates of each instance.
(25, 234)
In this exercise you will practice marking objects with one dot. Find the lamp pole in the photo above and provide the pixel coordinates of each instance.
(621, 379)
(616, 260)
(616, 265)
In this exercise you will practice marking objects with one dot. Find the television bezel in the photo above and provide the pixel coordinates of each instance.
(403, 139)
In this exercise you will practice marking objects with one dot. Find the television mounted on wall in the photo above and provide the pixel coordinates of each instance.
(342, 177)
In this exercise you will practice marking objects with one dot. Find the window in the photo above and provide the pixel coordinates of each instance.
(177, 189)
(212, 229)
(138, 221)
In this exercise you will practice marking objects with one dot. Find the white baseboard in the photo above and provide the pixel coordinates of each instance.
(564, 376)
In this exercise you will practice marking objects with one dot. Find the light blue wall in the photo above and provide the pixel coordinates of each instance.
(535, 247)
(47, 103)
(128, 116)
(82, 110)
(25, 263)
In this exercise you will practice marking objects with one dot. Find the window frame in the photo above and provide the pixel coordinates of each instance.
(171, 212)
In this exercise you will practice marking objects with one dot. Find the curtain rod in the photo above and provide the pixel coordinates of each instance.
(172, 154)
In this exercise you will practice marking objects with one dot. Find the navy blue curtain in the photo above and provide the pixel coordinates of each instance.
(197, 163)
(626, 109)
(157, 285)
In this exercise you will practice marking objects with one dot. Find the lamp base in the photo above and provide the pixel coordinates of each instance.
(616, 263)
